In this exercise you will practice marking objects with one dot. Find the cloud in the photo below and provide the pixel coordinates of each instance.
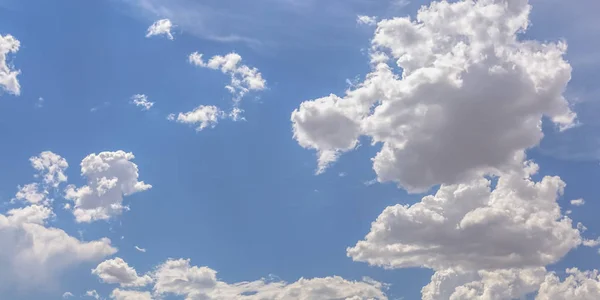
(580, 285)
(31, 193)
(51, 167)
(203, 116)
(468, 101)
(492, 285)
(243, 78)
(178, 277)
(117, 271)
(473, 226)
(160, 27)
(140, 249)
(8, 75)
(34, 256)
(119, 294)
(92, 294)
(141, 100)
(67, 295)
(110, 176)
(578, 202)
(366, 20)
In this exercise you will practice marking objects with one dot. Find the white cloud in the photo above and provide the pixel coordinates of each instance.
(34, 256)
(366, 20)
(178, 277)
(140, 249)
(119, 294)
(92, 294)
(160, 27)
(590, 243)
(117, 271)
(578, 202)
(31, 193)
(468, 102)
(110, 176)
(51, 168)
(67, 295)
(141, 100)
(203, 116)
(580, 285)
(8, 75)
(471, 226)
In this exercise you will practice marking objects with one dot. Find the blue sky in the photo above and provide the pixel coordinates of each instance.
(242, 197)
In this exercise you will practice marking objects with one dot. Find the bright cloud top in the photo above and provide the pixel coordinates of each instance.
(8, 75)
(581, 285)
(202, 116)
(117, 271)
(141, 100)
(161, 27)
(469, 101)
(110, 176)
(51, 167)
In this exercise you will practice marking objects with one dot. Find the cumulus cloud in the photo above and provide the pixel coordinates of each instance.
(33, 255)
(93, 294)
(469, 100)
(578, 202)
(117, 271)
(474, 226)
(51, 168)
(67, 295)
(31, 193)
(366, 20)
(202, 116)
(141, 100)
(110, 176)
(179, 277)
(8, 75)
(476, 236)
(119, 294)
(160, 27)
(580, 285)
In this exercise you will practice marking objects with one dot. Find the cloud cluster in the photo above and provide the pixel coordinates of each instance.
(8, 75)
(110, 176)
(141, 100)
(161, 27)
(117, 271)
(203, 116)
(581, 285)
(178, 277)
(34, 254)
(469, 100)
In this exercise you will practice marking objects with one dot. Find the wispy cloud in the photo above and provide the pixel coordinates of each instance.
(140, 249)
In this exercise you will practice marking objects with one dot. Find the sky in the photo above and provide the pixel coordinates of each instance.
(286, 149)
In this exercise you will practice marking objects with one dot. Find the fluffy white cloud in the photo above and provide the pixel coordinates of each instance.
(580, 285)
(51, 168)
(366, 20)
(33, 255)
(178, 277)
(489, 285)
(243, 78)
(160, 27)
(578, 202)
(110, 176)
(31, 193)
(517, 224)
(8, 75)
(119, 294)
(117, 271)
(141, 100)
(67, 295)
(92, 294)
(203, 116)
(469, 101)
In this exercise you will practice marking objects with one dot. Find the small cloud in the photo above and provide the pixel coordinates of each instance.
(96, 108)
(591, 243)
(578, 202)
(140, 249)
(67, 295)
(92, 294)
(141, 100)
(342, 174)
(366, 20)
(400, 3)
(370, 182)
(161, 27)
(39, 103)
